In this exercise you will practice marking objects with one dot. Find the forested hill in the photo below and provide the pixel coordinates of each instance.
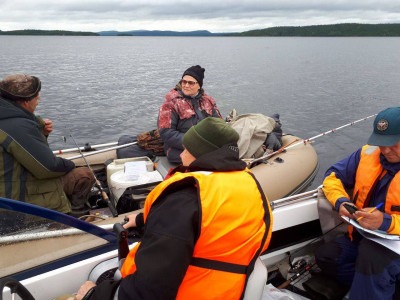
(45, 32)
(158, 33)
(350, 29)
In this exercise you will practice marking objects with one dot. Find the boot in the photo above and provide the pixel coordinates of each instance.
(78, 206)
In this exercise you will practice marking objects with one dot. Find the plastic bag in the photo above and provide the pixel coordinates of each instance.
(273, 293)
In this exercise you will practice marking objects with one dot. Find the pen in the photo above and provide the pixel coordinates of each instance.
(371, 210)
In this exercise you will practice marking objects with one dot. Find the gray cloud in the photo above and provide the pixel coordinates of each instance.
(183, 15)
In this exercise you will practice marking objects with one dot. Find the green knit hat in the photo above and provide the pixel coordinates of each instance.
(208, 135)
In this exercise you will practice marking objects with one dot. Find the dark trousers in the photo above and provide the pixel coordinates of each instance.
(133, 150)
(368, 267)
(77, 185)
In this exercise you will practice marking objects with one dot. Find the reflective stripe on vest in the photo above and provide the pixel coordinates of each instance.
(235, 230)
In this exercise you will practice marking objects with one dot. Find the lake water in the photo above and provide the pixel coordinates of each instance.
(103, 87)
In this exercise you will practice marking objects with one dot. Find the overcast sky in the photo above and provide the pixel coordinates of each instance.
(187, 15)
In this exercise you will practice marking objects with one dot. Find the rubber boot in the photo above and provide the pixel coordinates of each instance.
(78, 207)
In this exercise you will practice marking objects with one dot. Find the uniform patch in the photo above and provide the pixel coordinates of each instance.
(371, 150)
(382, 125)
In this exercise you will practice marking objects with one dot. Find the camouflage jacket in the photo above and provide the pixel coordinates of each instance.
(177, 114)
(29, 171)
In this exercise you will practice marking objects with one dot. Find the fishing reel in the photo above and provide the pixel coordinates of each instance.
(298, 266)
(95, 199)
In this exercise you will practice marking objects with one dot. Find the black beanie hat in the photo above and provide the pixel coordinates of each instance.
(196, 72)
(20, 87)
(208, 135)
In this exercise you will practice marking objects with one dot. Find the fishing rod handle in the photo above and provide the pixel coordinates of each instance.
(285, 284)
(104, 195)
(111, 205)
(297, 275)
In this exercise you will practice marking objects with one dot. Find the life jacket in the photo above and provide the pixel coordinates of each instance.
(236, 228)
(369, 172)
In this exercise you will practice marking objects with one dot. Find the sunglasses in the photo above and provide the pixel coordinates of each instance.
(190, 83)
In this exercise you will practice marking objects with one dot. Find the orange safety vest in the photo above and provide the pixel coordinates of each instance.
(236, 228)
(369, 172)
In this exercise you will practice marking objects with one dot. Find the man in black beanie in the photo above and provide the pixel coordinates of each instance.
(30, 172)
(185, 105)
(202, 223)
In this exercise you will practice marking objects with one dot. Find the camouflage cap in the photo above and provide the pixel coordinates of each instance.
(20, 87)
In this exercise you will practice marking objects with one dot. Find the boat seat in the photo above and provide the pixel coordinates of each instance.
(163, 165)
(329, 218)
(256, 283)
(109, 269)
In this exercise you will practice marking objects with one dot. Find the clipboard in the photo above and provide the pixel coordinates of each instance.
(390, 241)
(371, 233)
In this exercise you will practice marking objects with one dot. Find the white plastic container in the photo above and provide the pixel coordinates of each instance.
(118, 165)
(119, 183)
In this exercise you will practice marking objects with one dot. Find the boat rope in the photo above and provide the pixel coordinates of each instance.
(306, 141)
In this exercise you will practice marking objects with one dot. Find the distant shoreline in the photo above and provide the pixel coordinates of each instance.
(334, 30)
(48, 32)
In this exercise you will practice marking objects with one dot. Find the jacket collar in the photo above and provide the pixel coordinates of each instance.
(391, 168)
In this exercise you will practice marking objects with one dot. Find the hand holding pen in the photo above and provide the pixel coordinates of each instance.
(370, 218)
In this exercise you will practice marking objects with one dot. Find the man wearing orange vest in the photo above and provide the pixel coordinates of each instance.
(373, 173)
(205, 226)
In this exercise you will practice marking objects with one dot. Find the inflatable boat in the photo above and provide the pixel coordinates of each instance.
(283, 174)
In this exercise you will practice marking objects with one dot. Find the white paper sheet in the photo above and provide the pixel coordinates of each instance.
(133, 169)
(390, 241)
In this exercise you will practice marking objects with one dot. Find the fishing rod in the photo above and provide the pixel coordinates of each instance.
(304, 142)
(297, 275)
(99, 151)
(87, 147)
(98, 184)
(306, 244)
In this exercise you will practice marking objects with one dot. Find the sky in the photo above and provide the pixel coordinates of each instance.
(187, 15)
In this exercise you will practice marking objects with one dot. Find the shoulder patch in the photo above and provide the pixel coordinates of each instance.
(371, 150)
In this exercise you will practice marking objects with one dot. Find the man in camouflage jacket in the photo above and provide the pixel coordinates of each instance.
(29, 171)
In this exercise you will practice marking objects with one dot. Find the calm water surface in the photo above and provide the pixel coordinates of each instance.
(103, 87)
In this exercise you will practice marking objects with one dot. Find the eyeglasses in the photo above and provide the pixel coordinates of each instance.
(190, 83)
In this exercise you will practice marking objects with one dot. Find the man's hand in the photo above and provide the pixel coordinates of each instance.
(344, 212)
(372, 220)
(131, 222)
(48, 127)
(84, 289)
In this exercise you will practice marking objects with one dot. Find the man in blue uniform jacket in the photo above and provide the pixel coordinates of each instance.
(373, 173)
